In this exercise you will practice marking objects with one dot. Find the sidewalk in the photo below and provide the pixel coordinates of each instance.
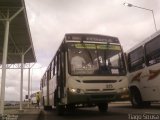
(25, 114)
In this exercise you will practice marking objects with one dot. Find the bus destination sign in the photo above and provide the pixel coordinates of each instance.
(95, 46)
(90, 37)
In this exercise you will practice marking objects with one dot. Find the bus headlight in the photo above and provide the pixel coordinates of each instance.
(74, 90)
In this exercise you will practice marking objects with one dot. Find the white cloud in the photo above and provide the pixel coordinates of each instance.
(12, 94)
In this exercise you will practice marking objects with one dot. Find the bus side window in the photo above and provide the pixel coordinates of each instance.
(49, 73)
(152, 49)
(136, 59)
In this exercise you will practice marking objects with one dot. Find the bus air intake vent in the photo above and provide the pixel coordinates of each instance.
(108, 89)
(99, 81)
(92, 90)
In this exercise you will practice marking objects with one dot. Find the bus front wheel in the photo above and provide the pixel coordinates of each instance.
(146, 104)
(60, 109)
(103, 107)
(137, 101)
(47, 107)
(136, 98)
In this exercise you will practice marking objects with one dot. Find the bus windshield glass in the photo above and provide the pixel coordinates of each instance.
(95, 59)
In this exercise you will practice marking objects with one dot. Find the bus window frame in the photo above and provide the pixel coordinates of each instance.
(138, 66)
(69, 68)
(48, 74)
(152, 53)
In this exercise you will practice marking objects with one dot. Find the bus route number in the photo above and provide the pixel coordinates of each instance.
(109, 86)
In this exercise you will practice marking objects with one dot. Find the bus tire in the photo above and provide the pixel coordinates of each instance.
(71, 108)
(60, 110)
(146, 104)
(47, 107)
(136, 98)
(103, 107)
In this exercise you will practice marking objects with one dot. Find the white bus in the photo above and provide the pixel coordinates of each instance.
(144, 71)
(87, 70)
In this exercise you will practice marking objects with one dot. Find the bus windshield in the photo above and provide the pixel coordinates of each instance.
(95, 59)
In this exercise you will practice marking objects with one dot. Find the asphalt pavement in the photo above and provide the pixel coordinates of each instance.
(116, 111)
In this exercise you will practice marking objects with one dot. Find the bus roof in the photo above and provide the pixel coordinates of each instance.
(90, 37)
(144, 41)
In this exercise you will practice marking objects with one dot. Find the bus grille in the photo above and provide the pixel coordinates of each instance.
(108, 89)
(92, 90)
(99, 81)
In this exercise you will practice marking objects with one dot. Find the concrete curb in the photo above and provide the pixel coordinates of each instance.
(25, 114)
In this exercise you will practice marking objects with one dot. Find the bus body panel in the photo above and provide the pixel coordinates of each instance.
(146, 78)
(52, 88)
(89, 87)
(44, 96)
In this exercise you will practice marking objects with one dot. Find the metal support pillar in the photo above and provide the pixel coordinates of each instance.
(4, 61)
(21, 83)
(7, 21)
(29, 70)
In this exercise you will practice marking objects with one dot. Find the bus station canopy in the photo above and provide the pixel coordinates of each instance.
(19, 39)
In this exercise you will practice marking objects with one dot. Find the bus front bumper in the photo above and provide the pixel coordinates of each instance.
(75, 98)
